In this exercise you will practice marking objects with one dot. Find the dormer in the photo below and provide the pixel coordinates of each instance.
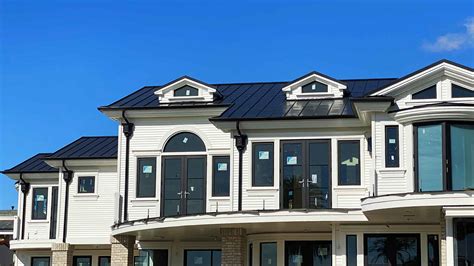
(186, 89)
(314, 85)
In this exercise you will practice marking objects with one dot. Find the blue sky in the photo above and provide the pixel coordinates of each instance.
(59, 61)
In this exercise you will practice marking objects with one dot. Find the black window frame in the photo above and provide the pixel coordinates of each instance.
(358, 142)
(33, 217)
(349, 263)
(446, 153)
(102, 257)
(137, 190)
(432, 87)
(316, 83)
(392, 235)
(388, 163)
(74, 259)
(264, 243)
(271, 159)
(41, 257)
(79, 184)
(214, 172)
(461, 88)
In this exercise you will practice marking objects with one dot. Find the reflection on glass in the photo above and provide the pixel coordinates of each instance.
(40, 261)
(292, 175)
(391, 249)
(351, 250)
(430, 158)
(433, 250)
(464, 241)
(268, 254)
(462, 156)
(152, 257)
(202, 257)
(82, 261)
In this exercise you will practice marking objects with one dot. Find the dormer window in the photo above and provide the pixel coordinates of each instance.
(186, 91)
(314, 87)
(460, 92)
(428, 93)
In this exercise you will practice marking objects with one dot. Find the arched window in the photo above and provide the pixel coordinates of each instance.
(183, 142)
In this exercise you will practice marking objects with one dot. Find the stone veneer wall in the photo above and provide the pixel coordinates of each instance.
(122, 250)
(234, 246)
(62, 254)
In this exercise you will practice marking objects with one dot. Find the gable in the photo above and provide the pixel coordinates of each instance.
(186, 89)
(314, 85)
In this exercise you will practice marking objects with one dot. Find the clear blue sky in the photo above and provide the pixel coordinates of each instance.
(59, 61)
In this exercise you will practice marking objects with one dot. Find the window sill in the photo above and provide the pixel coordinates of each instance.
(38, 221)
(391, 170)
(86, 196)
(350, 187)
(220, 198)
(144, 202)
(262, 189)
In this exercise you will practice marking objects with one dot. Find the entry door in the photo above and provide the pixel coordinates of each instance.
(183, 189)
(306, 174)
(308, 253)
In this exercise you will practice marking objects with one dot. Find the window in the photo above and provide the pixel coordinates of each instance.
(220, 175)
(150, 257)
(268, 254)
(183, 142)
(250, 254)
(146, 177)
(392, 249)
(464, 241)
(351, 250)
(82, 261)
(40, 203)
(186, 91)
(391, 147)
(429, 93)
(314, 87)
(104, 260)
(86, 184)
(460, 92)
(444, 156)
(349, 162)
(40, 261)
(433, 250)
(202, 257)
(262, 173)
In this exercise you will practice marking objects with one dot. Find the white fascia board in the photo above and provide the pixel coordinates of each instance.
(314, 77)
(32, 244)
(82, 162)
(432, 113)
(443, 68)
(166, 112)
(35, 176)
(364, 110)
(183, 82)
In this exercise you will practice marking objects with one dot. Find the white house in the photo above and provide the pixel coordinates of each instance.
(315, 171)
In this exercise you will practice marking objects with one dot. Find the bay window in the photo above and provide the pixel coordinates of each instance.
(444, 156)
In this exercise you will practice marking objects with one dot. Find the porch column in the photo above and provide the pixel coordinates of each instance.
(234, 246)
(122, 250)
(62, 254)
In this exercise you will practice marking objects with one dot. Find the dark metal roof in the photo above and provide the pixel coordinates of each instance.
(34, 164)
(104, 147)
(260, 100)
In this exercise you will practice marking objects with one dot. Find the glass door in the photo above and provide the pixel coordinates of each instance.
(308, 253)
(183, 190)
(306, 174)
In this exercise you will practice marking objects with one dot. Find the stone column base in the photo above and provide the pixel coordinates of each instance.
(122, 250)
(234, 246)
(62, 254)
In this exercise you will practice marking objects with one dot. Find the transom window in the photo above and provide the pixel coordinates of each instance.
(314, 87)
(186, 91)
(184, 142)
(428, 93)
(444, 156)
(460, 92)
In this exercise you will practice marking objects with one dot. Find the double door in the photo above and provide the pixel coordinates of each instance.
(306, 174)
(184, 185)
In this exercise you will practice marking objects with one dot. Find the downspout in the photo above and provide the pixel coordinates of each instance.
(241, 145)
(24, 187)
(67, 176)
(127, 128)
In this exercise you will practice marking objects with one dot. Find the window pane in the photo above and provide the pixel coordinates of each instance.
(406, 248)
(185, 142)
(464, 241)
(462, 156)
(146, 182)
(186, 91)
(40, 203)
(460, 92)
(216, 257)
(392, 249)
(40, 261)
(268, 254)
(349, 162)
(293, 175)
(220, 176)
(430, 158)
(262, 164)
(314, 87)
(104, 261)
(150, 257)
(433, 250)
(198, 257)
(82, 261)
(391, 146)
(86, 184)
(429, 93)
(351, 250)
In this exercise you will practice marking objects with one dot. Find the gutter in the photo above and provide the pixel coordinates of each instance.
(67, 176)
(24, 187)
(127, 129)
(241, 145)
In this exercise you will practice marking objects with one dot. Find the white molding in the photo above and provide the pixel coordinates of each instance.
(434, 113)
(293, 91)
(205, 92)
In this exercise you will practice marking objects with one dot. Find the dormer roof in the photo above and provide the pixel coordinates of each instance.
(195, 91)
(333, 87)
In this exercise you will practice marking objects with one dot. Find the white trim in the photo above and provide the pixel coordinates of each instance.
(435, 113)
(166, 94)
(293, 91)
